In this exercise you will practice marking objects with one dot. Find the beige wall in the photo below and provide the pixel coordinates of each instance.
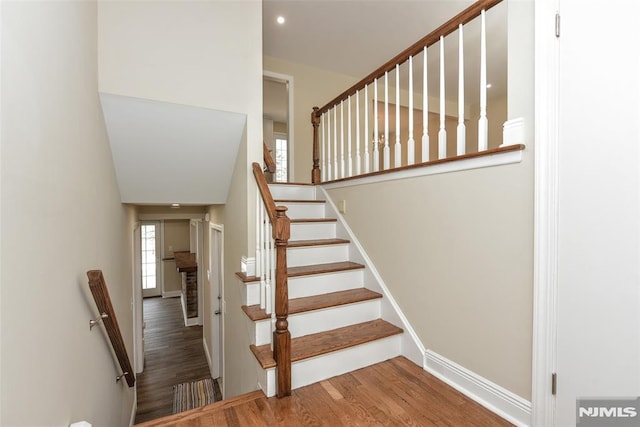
(311, 87)
(239, 373)
(175, 238)
(61, 216)
(455, 251)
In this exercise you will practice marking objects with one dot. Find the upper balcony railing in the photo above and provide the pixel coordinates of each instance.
(353, 134)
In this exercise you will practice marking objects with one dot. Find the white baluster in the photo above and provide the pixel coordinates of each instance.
(483, 123)
(342, 175)
(263, 258)
(425, 109)
(329, 168)
(335, 142)
(411, 144)
(397, 157)
(323, 154)
(461, 131)
(376, 152)
(269, 273)
(386, 154)
(366, 129)
(258, 233)
(358, 158)
(442, 134)
(349, 158)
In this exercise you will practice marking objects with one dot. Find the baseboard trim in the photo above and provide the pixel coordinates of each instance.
(171, 294)
(207, 355)
(497, 399)
(134, 408)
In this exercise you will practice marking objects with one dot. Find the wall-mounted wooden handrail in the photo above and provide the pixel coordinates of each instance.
(443, 30)
(100, 294)
(269, 163)
(281, 230)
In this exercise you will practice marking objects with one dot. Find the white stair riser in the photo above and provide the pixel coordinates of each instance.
(329, 365)
(266, 379)
(304, 210)
(332, 318)
(251, 293)
(292, 192)
(312, 322)
(313, 230)
(317, 284)
(261, 332)
(309, 255)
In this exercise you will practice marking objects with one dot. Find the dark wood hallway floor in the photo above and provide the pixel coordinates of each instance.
(173, 354)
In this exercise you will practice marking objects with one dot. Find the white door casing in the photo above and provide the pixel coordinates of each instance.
(216, 274)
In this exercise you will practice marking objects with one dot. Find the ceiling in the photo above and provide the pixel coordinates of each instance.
(355, 37)
(167, 153)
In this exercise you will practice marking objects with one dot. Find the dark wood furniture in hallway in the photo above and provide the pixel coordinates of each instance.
(173, 354)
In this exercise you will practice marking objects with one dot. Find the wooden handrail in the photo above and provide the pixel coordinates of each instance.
(269, 163)
(100, 294)
(281, 231)
(433, 37)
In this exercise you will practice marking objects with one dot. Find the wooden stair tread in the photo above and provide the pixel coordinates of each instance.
(172, 420)
(316, 302)
(302, 220)
(299, 201)
(316, 242)
(306, 270)
(326, 342)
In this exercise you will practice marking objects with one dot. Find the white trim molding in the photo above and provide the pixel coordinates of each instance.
(545, 268)
(497, 399)
(496, 159)
(171, 294)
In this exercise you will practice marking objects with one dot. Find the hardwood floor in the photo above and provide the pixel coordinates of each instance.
(173, 354)
(394, 392)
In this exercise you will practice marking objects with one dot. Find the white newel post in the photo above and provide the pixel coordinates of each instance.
(425, 108)
(411, 144)
(366, 129)
(461, 131)
(397, 155)
(386, 154)
(442, 134)
(358, 159)
(376, 141)
(483, 124)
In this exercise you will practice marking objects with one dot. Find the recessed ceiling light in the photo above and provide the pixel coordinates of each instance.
(280, 19)
(175, 205)
(488, 85)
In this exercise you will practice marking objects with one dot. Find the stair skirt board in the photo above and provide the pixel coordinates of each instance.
(497, 399)
(311, 322)
(319, 368)
(306, 255)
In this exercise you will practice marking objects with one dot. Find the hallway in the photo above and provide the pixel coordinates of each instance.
(173, 354)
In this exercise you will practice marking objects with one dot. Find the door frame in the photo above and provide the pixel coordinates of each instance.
(138, 316)
(159, 270)
(288, 80)
(216, 233)
(545, 268)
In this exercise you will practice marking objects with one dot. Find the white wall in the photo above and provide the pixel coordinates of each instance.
(61, 216)
(599, 206)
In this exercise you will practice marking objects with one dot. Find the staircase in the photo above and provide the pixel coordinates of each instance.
(334, 320)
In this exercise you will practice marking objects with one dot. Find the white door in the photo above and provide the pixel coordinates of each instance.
(150, 258)
(598, 331)
(216, 292)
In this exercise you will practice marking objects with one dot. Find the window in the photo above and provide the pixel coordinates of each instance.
(149, 256)
(281, 159)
